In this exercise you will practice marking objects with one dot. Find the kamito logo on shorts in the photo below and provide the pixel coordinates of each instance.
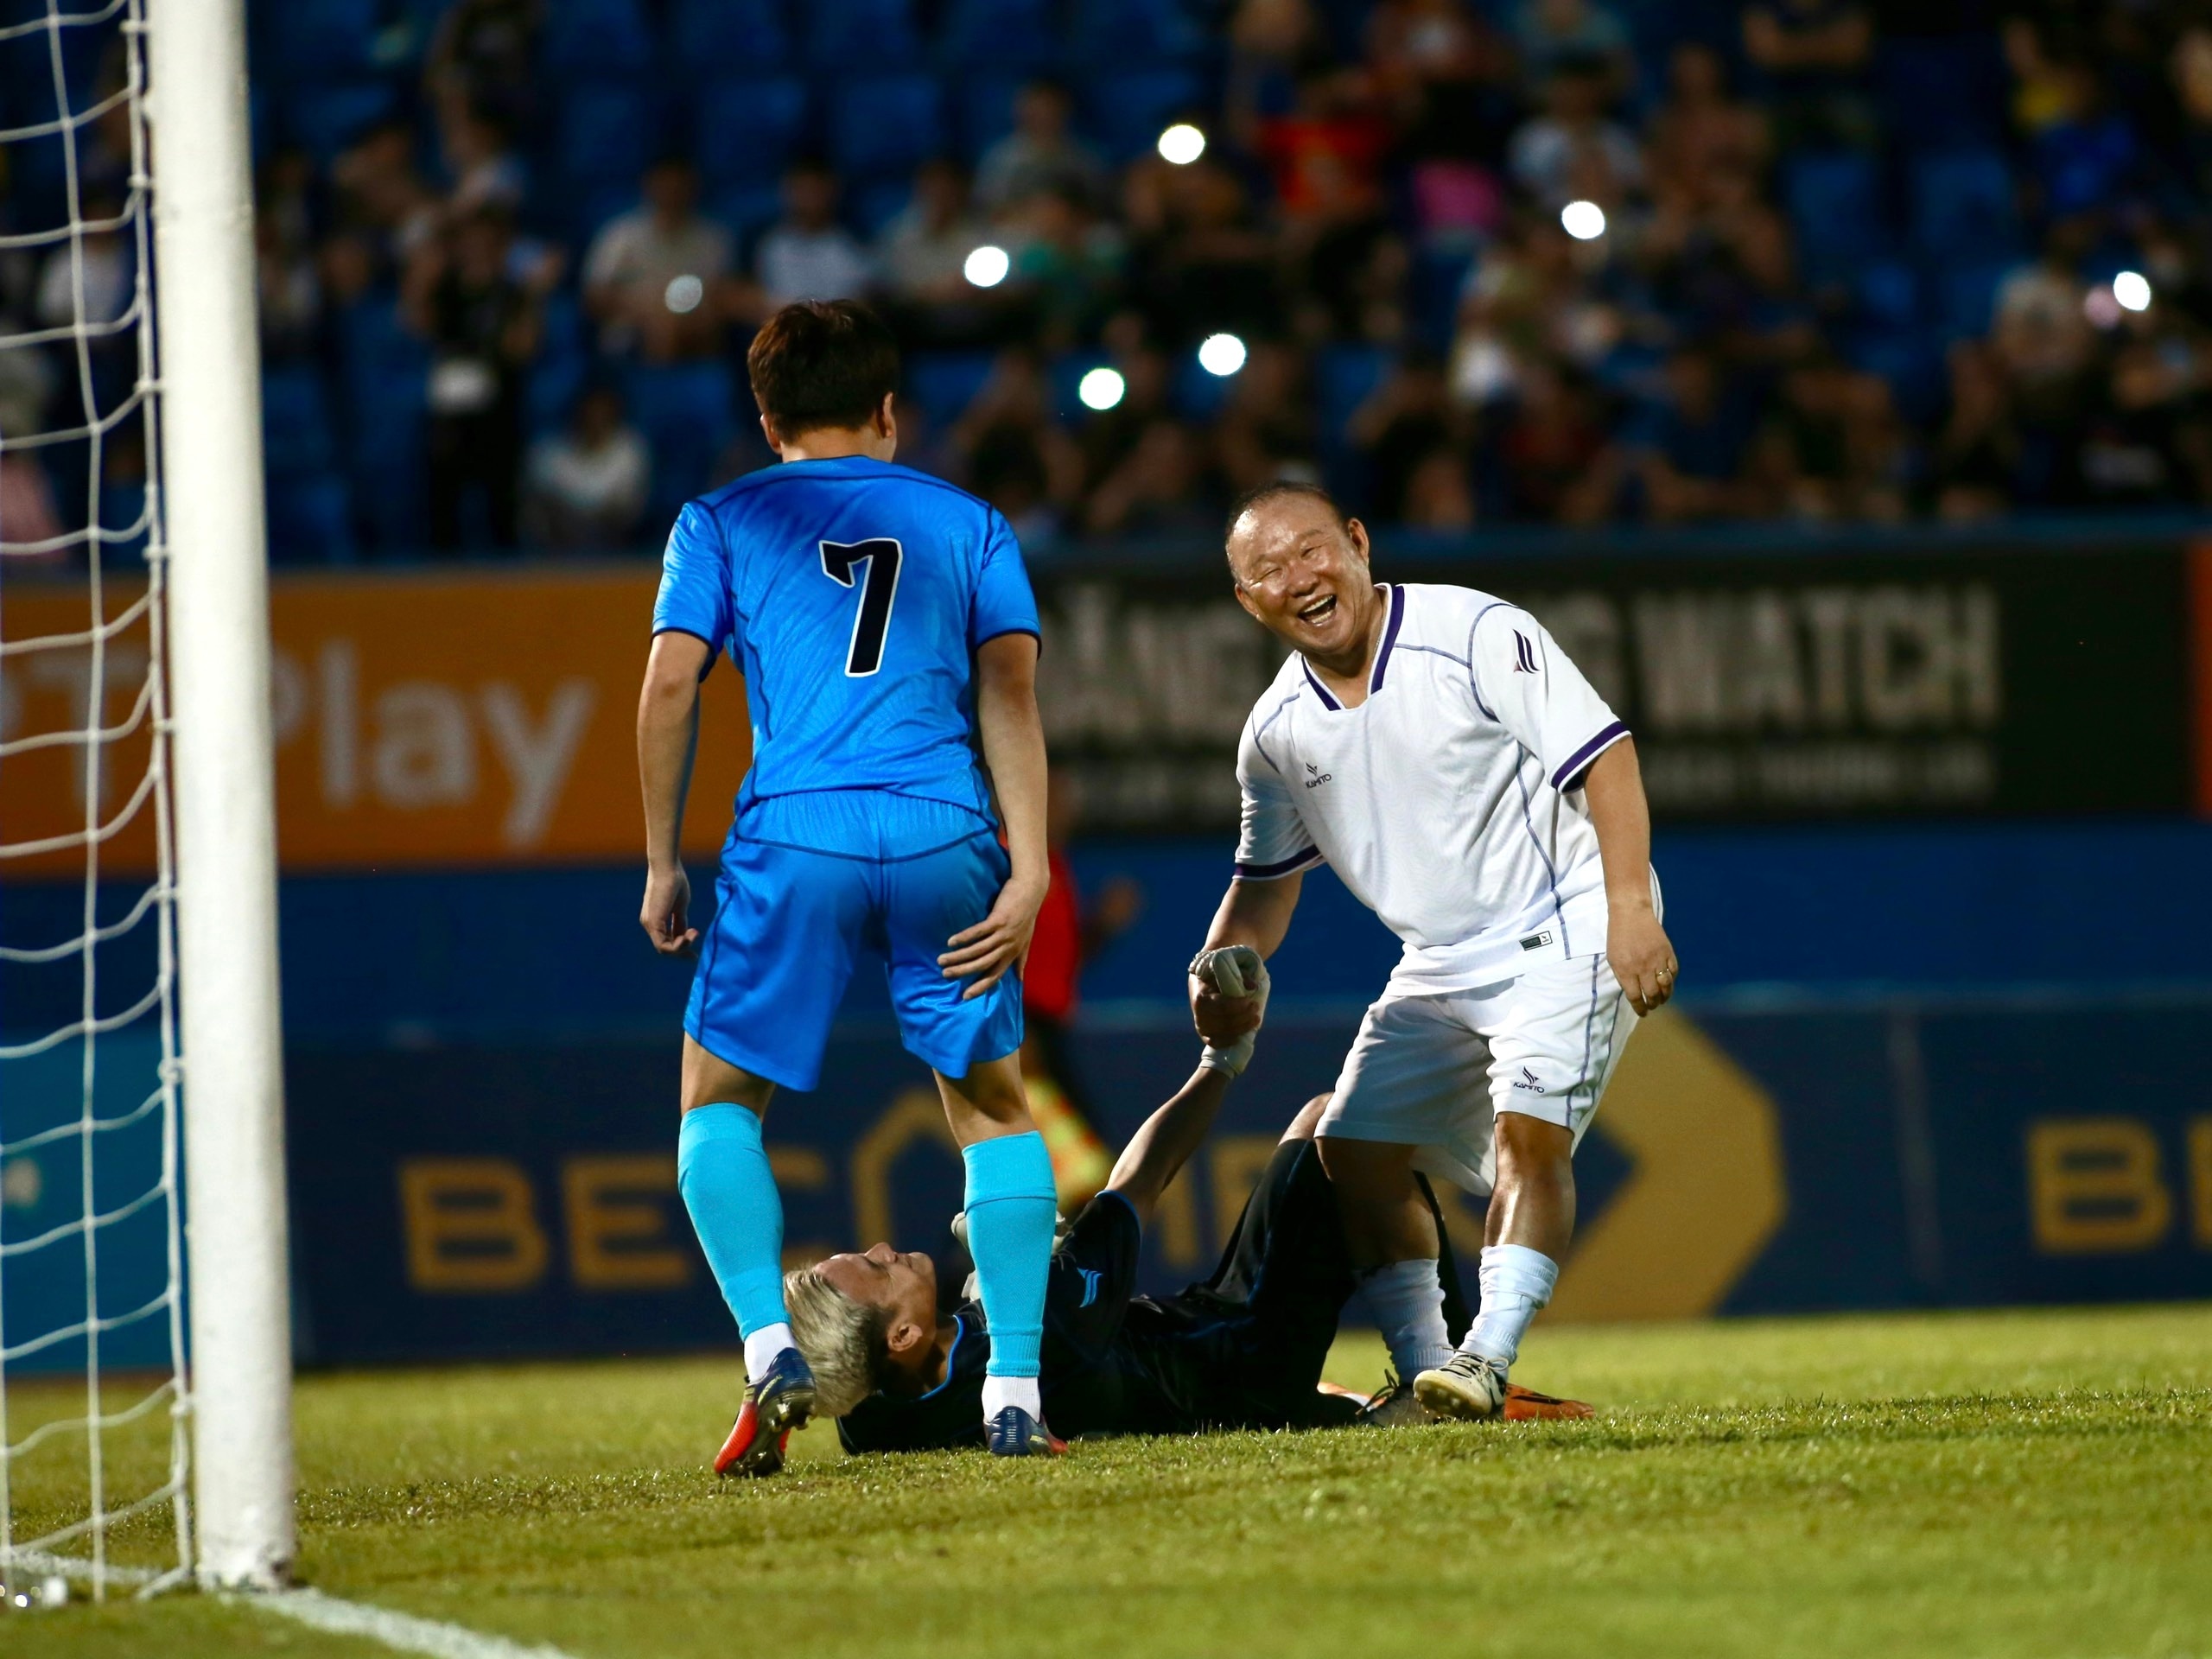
(1528, 1080)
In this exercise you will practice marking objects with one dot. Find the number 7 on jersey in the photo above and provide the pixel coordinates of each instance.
(878, 593)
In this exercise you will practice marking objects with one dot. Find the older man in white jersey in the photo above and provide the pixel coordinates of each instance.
(1434, 747)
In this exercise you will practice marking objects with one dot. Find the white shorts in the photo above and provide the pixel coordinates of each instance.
(1434, 1071)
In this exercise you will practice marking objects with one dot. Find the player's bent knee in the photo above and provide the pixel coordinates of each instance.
(708, 1080)
(992, 1091)
(1308, 1119)
(1361, 1169)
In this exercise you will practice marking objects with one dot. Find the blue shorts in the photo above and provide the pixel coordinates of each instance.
(807, 883)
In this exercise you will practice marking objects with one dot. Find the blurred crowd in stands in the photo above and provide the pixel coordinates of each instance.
(1483, 262)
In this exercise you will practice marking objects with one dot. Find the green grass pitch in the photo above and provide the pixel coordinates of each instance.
(2001, 1484)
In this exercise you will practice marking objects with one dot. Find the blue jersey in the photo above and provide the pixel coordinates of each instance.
(852, 594)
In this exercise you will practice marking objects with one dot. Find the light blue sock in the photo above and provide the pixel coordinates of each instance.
(1011, 1210)
(722, 1169)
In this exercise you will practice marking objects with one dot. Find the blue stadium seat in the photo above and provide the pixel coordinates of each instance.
(687, 412)
(295, 436)
(747, 209)
(725, 38)
(1965, 204)
(1913, 364)
(1889, 295)
(311, 520)
(1964, 293)
(1942, 92)
(323, 38)
(986, 112)
(1835, 203)
(1345, 376)
(606, 135)
(1128, 111)
(596, 39)
(998, 33)
(1134, 31)
(882, 126)
(747, 131)
(945, 383)
(841, 34)
(324, 118)
(563, 365)
(874, 204)
(384, 369)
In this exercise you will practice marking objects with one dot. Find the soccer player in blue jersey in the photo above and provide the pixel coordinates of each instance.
(884, 631)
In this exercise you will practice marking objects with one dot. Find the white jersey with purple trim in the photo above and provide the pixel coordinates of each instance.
(1450, 801)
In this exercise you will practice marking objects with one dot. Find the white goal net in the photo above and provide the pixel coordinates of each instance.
(93, 1443)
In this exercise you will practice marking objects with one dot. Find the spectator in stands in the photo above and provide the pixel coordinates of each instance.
(27, 518)
(1108, 435)
(1067, 265)
(2190, 67)
(1200, 260)
(920, 259)
(656, 277)
(1439, 496)
(1692, 453)
(1162, 489)
(1700, 132)
(1012, 451)
(482, 325)
(1040, 153)
(1325, 158)
(585, 484)
(91, 282)
(1558, 464)
(2088, 162)
(1448, 78)
(1815, 55)
(1826, 452)
(807, 254)
(382, 199)
(486, 51)
(1273, 46)
(1551, 34)
(1267, 430)
(1404, 420)
(288, 288)
(2042, 335)
(480, 160)
(1573, 150)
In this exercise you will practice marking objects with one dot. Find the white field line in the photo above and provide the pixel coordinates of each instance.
(402, 1632)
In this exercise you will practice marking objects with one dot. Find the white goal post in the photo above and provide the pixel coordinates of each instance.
(224, 789)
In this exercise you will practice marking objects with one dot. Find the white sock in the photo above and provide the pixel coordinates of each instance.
(1000, 1392)
(762, 1347)
(1517, 1282)
(1407, 1299)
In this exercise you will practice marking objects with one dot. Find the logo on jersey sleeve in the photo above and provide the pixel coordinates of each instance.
(1090, 1278)
(1315, 777)
(1524, 654)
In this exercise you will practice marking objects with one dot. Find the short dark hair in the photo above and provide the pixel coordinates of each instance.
(822, 363)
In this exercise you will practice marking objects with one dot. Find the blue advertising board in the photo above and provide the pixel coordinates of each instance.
(489, 1201)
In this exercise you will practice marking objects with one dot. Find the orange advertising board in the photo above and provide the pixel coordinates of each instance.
(421, 718)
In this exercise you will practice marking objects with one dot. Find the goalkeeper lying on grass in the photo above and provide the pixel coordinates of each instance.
(1242, 1350)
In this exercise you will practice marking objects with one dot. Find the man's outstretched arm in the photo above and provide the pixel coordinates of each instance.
(1256, 913)
(668, 733)
(1166, 1141)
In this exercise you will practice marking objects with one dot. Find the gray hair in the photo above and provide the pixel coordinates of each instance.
(842, 1340)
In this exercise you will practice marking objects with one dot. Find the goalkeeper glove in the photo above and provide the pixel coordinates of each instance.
(1234, 970)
